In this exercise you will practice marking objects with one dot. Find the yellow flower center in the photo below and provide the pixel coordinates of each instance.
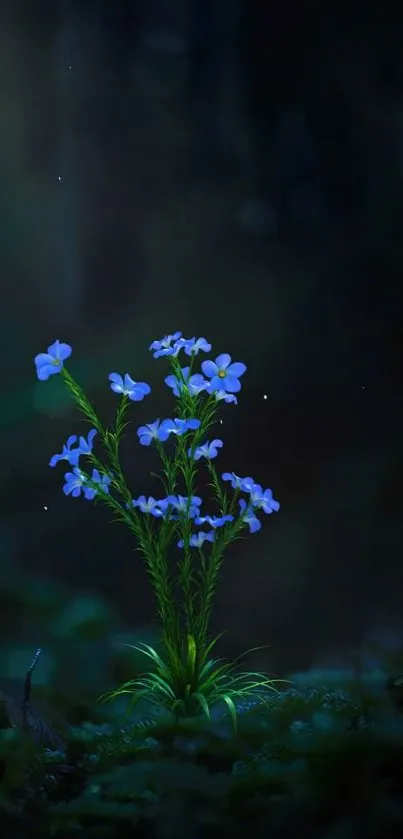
(222, 374)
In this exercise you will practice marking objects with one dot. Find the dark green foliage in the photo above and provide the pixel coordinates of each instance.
(323, 758)
(305, 755)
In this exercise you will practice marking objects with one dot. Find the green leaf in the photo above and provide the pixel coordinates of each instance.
(228, 701)
(203, 703)
(191, 652)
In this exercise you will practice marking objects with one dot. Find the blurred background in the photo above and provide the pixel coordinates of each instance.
(232, 169)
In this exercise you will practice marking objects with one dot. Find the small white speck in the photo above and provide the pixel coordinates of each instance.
(59, 178)
(45, 507)
(265, 396)
(69, 67)
(362, 387)
(221, 422)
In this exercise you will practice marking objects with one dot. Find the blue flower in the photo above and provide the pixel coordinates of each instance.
(85, 445)
(263, 500)
(223, 374)
(156, 430)
(181, 426)
(222, 395)
(172, 344)
(214, 521)
(248, 516)
(183, 505)
(208, 450)
(193, 384)
(150, 505)
(50, 363)
(66, 452)
(192, 346)
(244, 484)
(96, 478)
(74, 482)
(136, 391)
(197, 539)
(73, 455)
(164, 347)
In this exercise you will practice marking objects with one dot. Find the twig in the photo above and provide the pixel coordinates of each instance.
(27, 684)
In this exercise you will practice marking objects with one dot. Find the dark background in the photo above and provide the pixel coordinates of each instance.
(233, 169)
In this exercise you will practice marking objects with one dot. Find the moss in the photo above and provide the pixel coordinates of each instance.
(312, 749)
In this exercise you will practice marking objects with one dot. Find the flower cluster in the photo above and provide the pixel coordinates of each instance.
(160, 431)
(187, 677)
(77, 482)
(219, 380)
(72, 455)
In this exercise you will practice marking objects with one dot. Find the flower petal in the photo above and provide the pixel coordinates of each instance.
(223, 360)
(129, 382)
(47, 370)
(237, 368)
(42, 358)
(209, 368)
(216, 383)
(63, 350)
(115, 377)
(231, 384)
(144, 387)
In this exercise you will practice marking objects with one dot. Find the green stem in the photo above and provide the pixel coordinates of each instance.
(156, 560)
